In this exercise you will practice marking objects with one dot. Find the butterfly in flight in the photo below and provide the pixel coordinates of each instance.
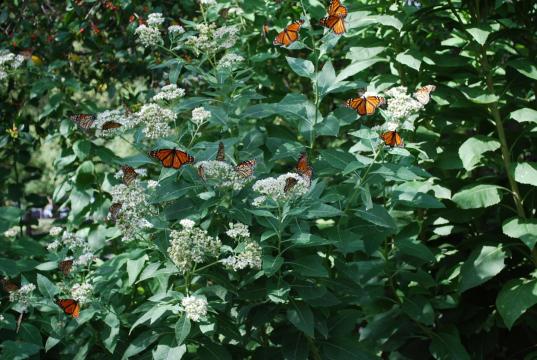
(129, 174)
(66, 266)
(172, 158)
(83, 121)
(69, 306)
(221, 154)
(289, 35)
(365, 105)
(335, 20)
(423, 94)
(392, 138)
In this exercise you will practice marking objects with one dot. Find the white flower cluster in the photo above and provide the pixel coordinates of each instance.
(246, 255)
(9, 61)
(82, 292)
(74, 242)
(222, 173)
(2, 318)
(195, 307)
(230, 60)
(152, 184)
(200, 115)
(207, 2)
(11, 232)
(191, 246)
(55, 231)
(176, 30)
(84, 259)
(134, 208)
(148, 35)
(22, 295)
(274, 188)
(169, 93)
(155, 19)
(401, 104)
(116, 116)
(211, 39)
(155, 120)
(187, 223)
(238, 231)
(226, 36)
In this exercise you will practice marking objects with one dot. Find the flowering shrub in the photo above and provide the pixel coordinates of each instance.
(313, 223)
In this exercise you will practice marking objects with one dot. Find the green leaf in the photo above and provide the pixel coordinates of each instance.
(419, 309)
(515, 297)
(357, 66)
(525, 67)
(346, 348)
(271, 264)
(377, 215)
(153, 314)
(326, 79)
(134, 268)
(478, 196)
(524, 115)
(301, 67)
(182, 329)
(413, 247)
(473, 148)
(140, 343)
(167, 352)
(482, 32)
(479, 96)
(526, 173)
(311, 265)
(523, 229)
(46, 287)
(321, 210)
(212, 351)
(483, 264)
(110, 336)
(410, 59)
(301, 316)
(18, 350)
(82, 149)
(446, 345)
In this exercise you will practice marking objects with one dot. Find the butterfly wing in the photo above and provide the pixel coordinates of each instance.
(181, 158)
(289, 35)
(221, 154)
(129, 174)
(110, 125)
(423, 95)
(83, 121)
(303, 168)
(114, 210)
(392, 138)
(290, 182)
(245, 169)
(372, 103)
(166, 156)
(8, 285)
(69, 307)
(336, 9)
(334, 23)
(359, 104)
(66, 266)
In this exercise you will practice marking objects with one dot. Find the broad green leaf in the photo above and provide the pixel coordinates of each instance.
(311, 265)
(410, 59)
(523, 229)
(356, 67)
(321, 210)
(140, 343)
(182, 329)
(446, 345)
(212, 351)
(413, 247)
(271, 264)
(295, 347)
(18, 350)
(326, 79)
(483, 264)
(301, 67)
(478, 196)
(110, 336)
(515, 298)
(153, 314)
(479, 96)
(524, 115)
(526, 173)
(525, 67)
(377, 215)
(46, 287)
(419, 309)
(82, 148)
(301, 316)
(167, 352)
(134, 268)
(482, 32)
(51, 342)
(473, 148)
(363, 53)
(346, 348)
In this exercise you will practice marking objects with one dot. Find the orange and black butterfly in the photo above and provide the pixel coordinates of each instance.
(365, 105)
(172, 158)
(423, 94)
(66, 266)
(69, 306)
(392, 138)
(303, 168)
(335, 20)
(8, 285)
(290, 183)
(129, 174)
(221, 154)
(289, 35)
(83, 121)
(109, 125)
(245, 169)
(114, 210)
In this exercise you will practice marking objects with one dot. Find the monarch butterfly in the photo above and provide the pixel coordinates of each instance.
(289, 35)
(290, 182)
(335, 19)
(114, 210)
(69, 306)
(423, 94)
(201, 172)
(365, 105)
(303, 168)
(110, 125)
(221, 154)
(129, 174)
(66, 266)
(392, 138)
(83, 121)
(245, 169)
(9, 285)
(172, 158)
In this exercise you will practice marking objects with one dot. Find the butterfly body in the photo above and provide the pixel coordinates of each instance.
(172, 158)
(392, 138)
(69, 306)
(290, 34)
(129, 174)
(114, 210)
(65, 266)
(221, 154)
(290, 183)
(245, 169)
(423, 94)
(83, 121)
(365, 105)
(109, 125)
(335, 19)
(304, 169)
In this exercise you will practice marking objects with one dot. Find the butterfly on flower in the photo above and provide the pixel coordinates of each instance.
(392, 138)
(9, 285)
(84, 121)
(221, 154)
(245, 169)
(423, 94)
(69, 306)
(109, 125)
(365, 104)
(302, 168)
(290, 34)
(114, 210)
(335, 20)
(172, 158)
(65, 266)
(290, 183)
(129, 174)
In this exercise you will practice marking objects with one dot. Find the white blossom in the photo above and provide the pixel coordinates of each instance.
(248, 256)
(274, 188)
(82, 292)
(258, 201)
(208, 2)
(2, 318)
(187, 223)
(8, 60)
(84, 259)
(11, 232)
(148, 35)
(401, 104)
(195, 307)
(155, 19)
(74, 242)
(22, 295)
(53, 246)
(191, 246)
(238, 230)
(3, 75)
(176, 29)
(222, 174)
(109, 116)
(230, 60)
(200, 115)
(169, 93)
(226, 36)
(55, 231)
(155, 120)
(152, 184)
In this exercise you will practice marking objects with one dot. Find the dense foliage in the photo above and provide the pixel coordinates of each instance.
(421, 251)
